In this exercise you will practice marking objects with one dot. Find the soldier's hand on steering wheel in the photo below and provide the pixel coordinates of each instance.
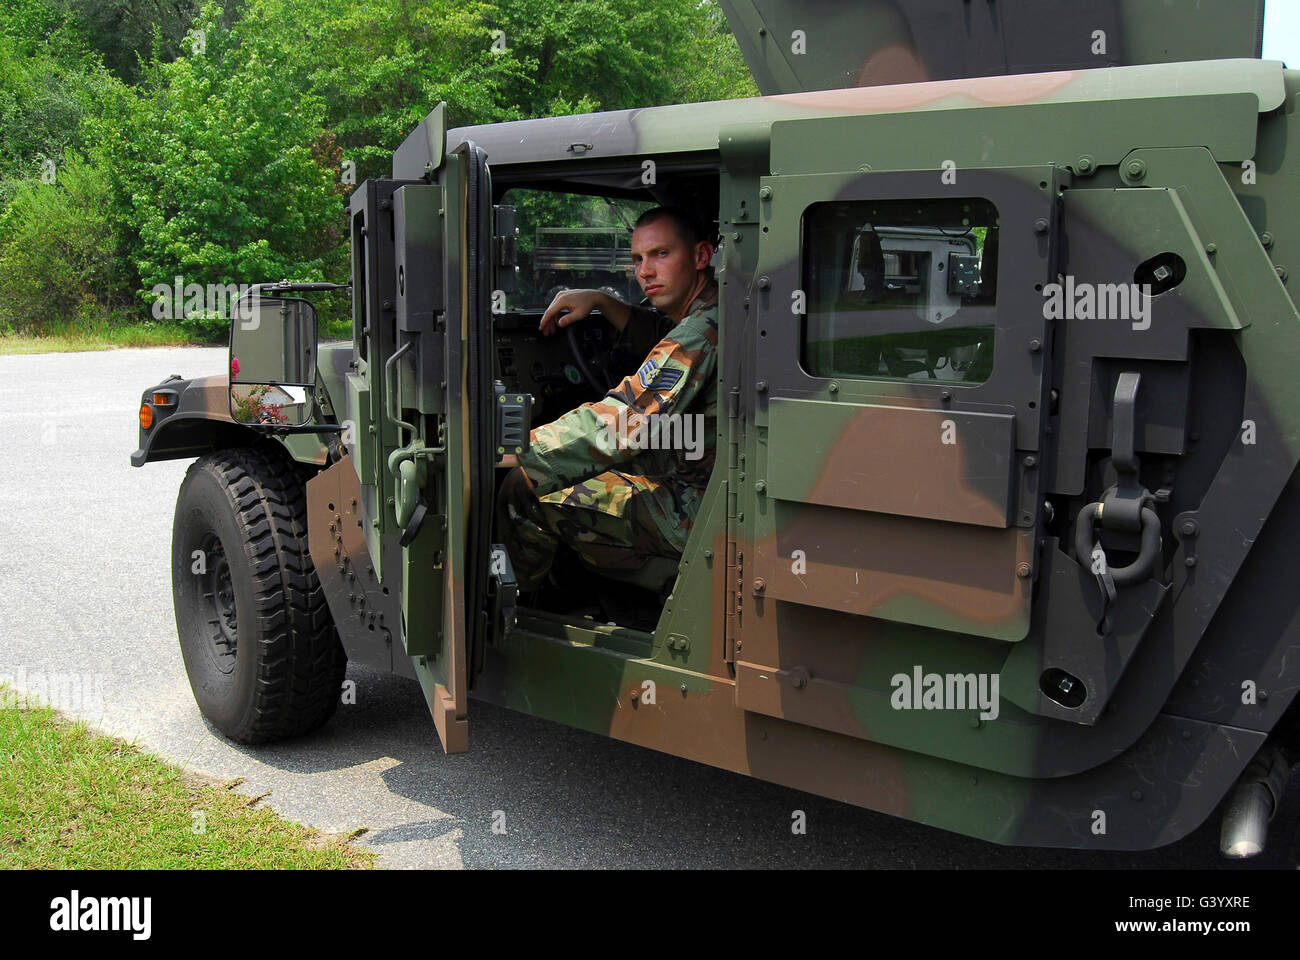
(570, 306)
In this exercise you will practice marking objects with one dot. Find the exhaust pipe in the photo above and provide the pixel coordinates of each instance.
(1252, 803)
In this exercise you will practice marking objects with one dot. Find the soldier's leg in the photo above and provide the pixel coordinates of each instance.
(618, 521)
(522, 529)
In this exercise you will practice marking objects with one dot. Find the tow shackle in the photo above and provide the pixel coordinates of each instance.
(1135, 572)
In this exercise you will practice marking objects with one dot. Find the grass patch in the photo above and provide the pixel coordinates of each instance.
(97, 335)
(105, 335)
(71, 799)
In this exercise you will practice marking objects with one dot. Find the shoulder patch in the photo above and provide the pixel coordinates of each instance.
(647, 373)
(667, 379)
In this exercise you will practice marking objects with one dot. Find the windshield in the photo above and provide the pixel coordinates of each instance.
(568, 240)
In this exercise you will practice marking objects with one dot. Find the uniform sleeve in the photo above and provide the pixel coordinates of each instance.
(587, 440)
(644, 329)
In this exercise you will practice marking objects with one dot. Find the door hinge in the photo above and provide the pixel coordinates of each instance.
(735, 579)
(731, 628)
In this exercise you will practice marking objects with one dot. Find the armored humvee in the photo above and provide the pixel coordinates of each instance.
(998, 535)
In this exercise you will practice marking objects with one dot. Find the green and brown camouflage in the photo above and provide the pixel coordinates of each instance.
(880, 514)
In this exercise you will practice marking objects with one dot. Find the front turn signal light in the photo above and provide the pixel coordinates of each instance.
(163, 399)
(146, 416)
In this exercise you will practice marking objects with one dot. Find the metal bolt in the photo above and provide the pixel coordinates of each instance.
(683, 688)
(1281, 272)
(834, 387)
(798, 682)
(1065, 684)
(765, 192)
(1187, 734)
(1189, 562)
(1041, 225)
(1136, 169)
(760, 486)
(1030, 462)
(764, 283)
(1266, 239)
(1211, 248)
(1035, 345)
(761, 386)
(760, 585)
(1162, 273)
(1261, 696)
(708, 554)
(1023, 570)
(1084, 165)
(945, 395)
(1188, 528)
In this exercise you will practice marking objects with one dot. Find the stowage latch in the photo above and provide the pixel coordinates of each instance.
(1125, 506)
(503, 591)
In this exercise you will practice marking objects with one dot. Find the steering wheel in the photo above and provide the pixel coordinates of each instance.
(580, 361)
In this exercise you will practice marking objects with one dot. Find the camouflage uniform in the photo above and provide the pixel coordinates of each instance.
(615, 504)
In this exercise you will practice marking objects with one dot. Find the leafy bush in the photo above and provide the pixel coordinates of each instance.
(56, 248)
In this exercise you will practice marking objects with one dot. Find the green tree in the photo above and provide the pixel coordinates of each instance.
(56, 249)
(223, 171)
(712, 67)
(49, 81)
(379, 66)
(126, 32)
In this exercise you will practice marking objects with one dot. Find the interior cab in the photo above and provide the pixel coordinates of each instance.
(574, 232)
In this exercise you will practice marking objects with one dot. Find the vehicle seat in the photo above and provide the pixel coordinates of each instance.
(658, 574)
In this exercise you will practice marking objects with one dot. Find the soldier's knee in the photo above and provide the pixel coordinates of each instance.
(516, 496)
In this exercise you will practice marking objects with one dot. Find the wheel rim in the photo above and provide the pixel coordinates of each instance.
(218, 591)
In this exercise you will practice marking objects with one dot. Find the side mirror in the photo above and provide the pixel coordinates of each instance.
(272, 360)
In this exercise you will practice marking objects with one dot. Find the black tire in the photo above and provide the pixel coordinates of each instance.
(260, 647)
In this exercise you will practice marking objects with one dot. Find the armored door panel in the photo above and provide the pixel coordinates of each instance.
(896, 438)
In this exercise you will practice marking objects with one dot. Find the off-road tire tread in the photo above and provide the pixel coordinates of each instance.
(300, 659)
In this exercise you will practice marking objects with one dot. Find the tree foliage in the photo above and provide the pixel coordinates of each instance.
(56, 247)
(219, 144)
(229, 175)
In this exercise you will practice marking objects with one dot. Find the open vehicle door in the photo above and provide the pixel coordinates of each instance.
(418, 414)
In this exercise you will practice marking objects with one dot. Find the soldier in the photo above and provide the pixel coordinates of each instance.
(601, 478)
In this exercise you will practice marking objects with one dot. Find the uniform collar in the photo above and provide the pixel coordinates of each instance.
(707, 298)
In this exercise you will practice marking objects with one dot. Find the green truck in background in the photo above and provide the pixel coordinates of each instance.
(998, 537)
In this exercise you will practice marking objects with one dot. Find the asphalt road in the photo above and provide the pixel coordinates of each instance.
(85, 589)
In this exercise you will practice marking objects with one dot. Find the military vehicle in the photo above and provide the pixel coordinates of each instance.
(998, 538)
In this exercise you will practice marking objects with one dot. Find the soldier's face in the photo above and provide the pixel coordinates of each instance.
(666, 267)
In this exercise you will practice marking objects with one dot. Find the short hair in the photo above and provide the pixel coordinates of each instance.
(687, 225)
